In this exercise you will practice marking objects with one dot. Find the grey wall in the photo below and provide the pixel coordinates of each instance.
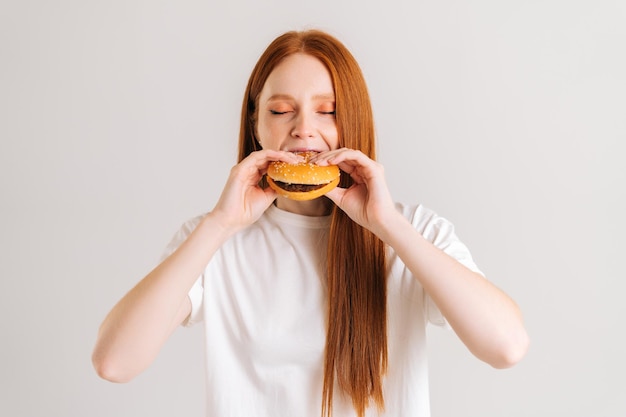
(119, 119)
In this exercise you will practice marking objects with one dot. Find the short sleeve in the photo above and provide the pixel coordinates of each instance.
(440, 232)
(197, 290)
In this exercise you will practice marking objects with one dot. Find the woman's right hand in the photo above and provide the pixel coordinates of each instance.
(134, 331)
(242, 201)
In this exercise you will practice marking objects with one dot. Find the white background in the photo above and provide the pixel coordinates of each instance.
(119, 120)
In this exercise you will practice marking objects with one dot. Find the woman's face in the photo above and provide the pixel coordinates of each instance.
(296, 109)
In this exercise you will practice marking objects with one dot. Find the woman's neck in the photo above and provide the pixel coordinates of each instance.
(314, 208)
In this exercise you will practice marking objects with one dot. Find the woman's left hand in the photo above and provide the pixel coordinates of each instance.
(484, 317)
(367, 201)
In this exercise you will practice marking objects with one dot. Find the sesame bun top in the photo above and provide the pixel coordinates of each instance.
(302, 173)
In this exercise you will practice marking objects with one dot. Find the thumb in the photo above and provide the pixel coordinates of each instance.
(270, 195)
(336, 195)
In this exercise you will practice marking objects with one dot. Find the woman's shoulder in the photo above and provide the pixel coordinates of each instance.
(418, 213)
(181, 234)
(439, 231)
(426, 220)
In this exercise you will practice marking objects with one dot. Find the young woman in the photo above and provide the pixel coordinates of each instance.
(311, 307)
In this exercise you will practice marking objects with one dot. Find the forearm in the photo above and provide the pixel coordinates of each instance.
(134, 331)
(487, 321)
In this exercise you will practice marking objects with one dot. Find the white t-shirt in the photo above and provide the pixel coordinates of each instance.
(262, 302)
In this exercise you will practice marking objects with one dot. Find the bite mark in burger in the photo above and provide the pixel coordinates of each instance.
(302, 181)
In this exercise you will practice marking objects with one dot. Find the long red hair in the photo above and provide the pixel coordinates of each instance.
(356, 341)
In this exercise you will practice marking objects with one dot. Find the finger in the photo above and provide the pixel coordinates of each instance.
(262, 158)
(344, 157)
(322, 158)
(359, 166)
(255, 165)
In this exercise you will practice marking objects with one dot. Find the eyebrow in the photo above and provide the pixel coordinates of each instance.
(276, 97)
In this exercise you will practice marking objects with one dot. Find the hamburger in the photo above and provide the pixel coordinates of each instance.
(302, 181)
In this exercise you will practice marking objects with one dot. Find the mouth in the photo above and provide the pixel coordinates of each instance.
(297, 150)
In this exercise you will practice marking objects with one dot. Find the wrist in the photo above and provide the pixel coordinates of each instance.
(219, 224)
(392, 227)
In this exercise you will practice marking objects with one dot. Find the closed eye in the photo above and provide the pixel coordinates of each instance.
(277, 112)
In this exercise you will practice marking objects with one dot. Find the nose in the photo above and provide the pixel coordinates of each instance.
(303, 127)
